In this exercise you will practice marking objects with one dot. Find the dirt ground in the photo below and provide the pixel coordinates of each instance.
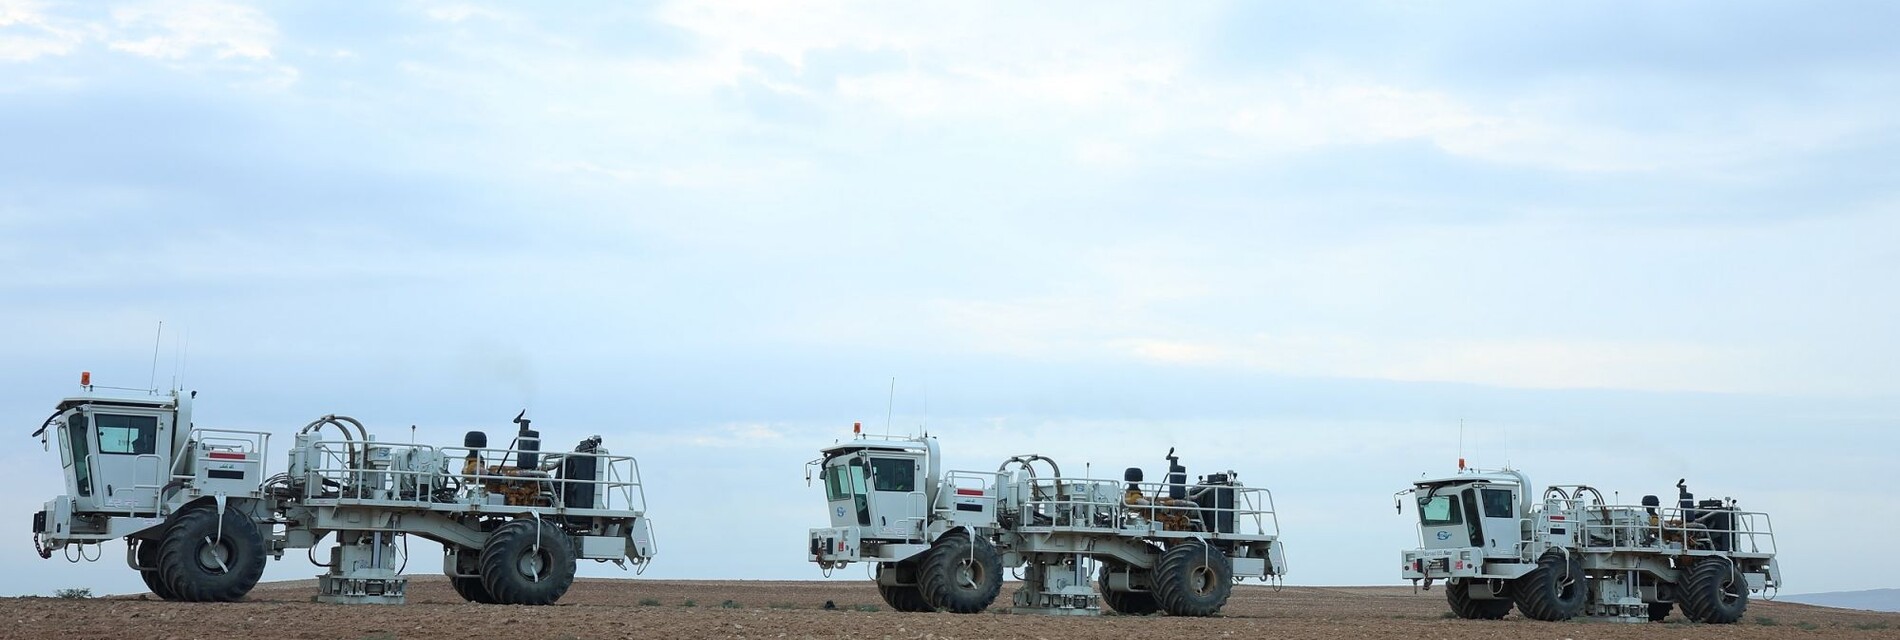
(693, 609)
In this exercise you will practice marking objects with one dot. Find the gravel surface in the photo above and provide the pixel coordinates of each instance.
(745, 609)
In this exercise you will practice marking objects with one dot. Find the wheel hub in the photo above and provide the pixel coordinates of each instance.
(213, 556)
(969, 574)
(1201, 579)
(1732, 590)
(534, 564)
(1565, 586)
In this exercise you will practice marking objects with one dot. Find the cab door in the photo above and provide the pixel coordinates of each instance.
(126, 469)
(898, 506)
(1497, 506)
(75, 456)
(847, 492)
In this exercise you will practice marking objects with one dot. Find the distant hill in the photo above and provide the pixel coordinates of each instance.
(1869, 600)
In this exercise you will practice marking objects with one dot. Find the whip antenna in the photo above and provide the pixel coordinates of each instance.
(889, 403)
(152, 383)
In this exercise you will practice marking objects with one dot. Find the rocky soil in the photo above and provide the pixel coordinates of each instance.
(734, 609)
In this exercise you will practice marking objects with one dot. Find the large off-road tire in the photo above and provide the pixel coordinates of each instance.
(1714, 592)
(1131, 603)
(1659, 611)
(1193, 579)
(1554, 591)
(201, 562)
(960, 575)
(148, 558)
(523, 563)
(472, 590)
(906, 598)
(1458, 595)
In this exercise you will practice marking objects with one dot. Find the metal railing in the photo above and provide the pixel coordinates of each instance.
(255, 445)
(1608, 527)
(417, 473)
(1086, 504)
(989, 483)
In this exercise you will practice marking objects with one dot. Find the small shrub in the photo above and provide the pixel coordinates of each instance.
(730, 604)
(1870, 626)
(690, 603)
(867, 608)
(1766, 621)
(649, 602)
(72, 594)
(1806, 626)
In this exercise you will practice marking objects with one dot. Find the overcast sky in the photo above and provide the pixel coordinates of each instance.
(1624, 243)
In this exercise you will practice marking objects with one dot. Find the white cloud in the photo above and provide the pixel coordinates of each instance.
(960, 61)
(1539, 127)
(689, 175)
(462, 12)
(175, 31)
(744, 435)
(1146, 98)
(1523, 363)
(27, 33)
(1068, 327)
(1297, 112)
(1511, 304)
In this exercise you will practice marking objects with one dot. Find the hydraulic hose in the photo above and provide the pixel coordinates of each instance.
(48, 423)
(1027, 463)
(351, 443)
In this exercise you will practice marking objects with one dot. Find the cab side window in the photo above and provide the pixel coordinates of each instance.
(127, 435)
(76, 437)
(1497, 503)
(890, 474)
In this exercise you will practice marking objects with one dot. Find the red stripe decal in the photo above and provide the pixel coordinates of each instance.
(969, 492)
(225, 455)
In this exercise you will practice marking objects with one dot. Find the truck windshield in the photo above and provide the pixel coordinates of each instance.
(1438, 511)
(845, 480)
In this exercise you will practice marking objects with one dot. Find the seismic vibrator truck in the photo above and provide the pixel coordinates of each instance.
(939, 540)
(1572, 554)
(199, 515)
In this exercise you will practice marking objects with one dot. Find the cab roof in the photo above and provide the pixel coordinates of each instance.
(142, 402)
(1473, 477)
(876, 443)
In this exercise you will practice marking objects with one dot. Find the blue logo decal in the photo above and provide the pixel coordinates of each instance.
(1442, 535)
(840, 511)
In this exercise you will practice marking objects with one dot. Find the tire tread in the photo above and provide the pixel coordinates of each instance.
(503, 549)
(936, 572)
(1131, 603)
(1174, 569)
(1536, 592)
(1701, 595)
(1458, 595)
(177, 556)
